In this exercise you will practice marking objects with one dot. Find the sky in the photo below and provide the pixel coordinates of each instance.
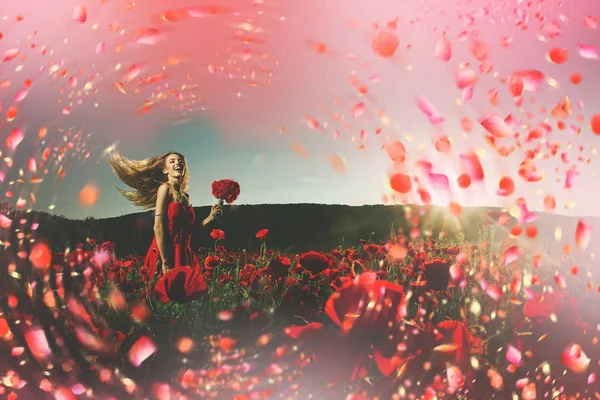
(291, 99)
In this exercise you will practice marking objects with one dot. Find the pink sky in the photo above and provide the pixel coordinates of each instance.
(228, 118)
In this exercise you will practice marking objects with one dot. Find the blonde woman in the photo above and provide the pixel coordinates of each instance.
(160, 182)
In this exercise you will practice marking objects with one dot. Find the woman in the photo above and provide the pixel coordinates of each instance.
(160, 182)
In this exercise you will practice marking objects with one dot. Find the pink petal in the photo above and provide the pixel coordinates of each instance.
(80, 14)
(37, 343)
(532, 79)
(495, 125)
(358, 110)
(526, 217)
(473, 166)
(571, 174)
(583, 233)
(591, 378)
(574, 358)
(148, 36)
(467, 93)
(560, 281)
(588, 51)
(10, 54)
(466, 78)
(513, 355)
(20, 96)
(439, 181)
(14, 138)
(141, 350)
(100, 47)
(511, 254)
(494, 292)
(134, 71)
(429, 110)
(443, 50)
(590, 22)
(5, 222)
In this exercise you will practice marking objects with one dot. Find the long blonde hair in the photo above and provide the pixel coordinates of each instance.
(145, 176)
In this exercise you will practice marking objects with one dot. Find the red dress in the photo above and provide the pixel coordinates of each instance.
(181, 222)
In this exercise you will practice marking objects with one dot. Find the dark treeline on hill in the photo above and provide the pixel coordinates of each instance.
(292, 227)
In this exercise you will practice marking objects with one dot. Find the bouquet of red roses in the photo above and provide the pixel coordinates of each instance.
(226, 190)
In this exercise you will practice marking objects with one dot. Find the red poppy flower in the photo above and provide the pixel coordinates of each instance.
(181, 284)
(314, 262)
(279, 267)
(372, 248)
(262, 234)
(437, 274)
(367, 304)
(217, 234)
(211, 262)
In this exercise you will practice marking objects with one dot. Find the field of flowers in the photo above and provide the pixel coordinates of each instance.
(407, 318)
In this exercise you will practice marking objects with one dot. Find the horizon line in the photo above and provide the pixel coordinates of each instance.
(503, 209)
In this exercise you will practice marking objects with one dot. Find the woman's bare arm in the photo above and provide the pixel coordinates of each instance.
(161, 223)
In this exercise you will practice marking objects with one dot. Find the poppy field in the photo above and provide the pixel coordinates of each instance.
(413, 318)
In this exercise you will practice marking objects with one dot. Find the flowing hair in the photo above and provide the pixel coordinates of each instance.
(145, 176)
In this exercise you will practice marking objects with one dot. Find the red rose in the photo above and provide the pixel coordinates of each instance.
(226, 189)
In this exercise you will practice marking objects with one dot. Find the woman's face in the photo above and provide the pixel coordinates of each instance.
(174, 166)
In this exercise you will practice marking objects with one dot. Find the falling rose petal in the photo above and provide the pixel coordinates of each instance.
(571, 174)
(100, 48)
(312, 123)
(141, 350)
(148, 36)
(588, 51)
(396, 151)
(443, 145)
(443, 50)
(560, 281)
(363, 135)
(337, 163)
(15, 137)
(401, 183)
(515, 85)
(20, 96)
(429, 110)
(473, 166)
(494, 292)
(591, 378)
(89, 195)
(495, 125)
(511, 254)
(80, 14)
(532, 79)
(385, 43)
(583, 234)
(506, 187)
(466, 78)
(10, 54)
(590, 22)
(558, 55)
(358, 110)
(133, 72)
(574, 358)
(439, 181)
(40, 256)
(467, 93)
(595, 124)
(37, 342)
(11, 114)
(5, 222)
(513, 355)
(529, 392)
